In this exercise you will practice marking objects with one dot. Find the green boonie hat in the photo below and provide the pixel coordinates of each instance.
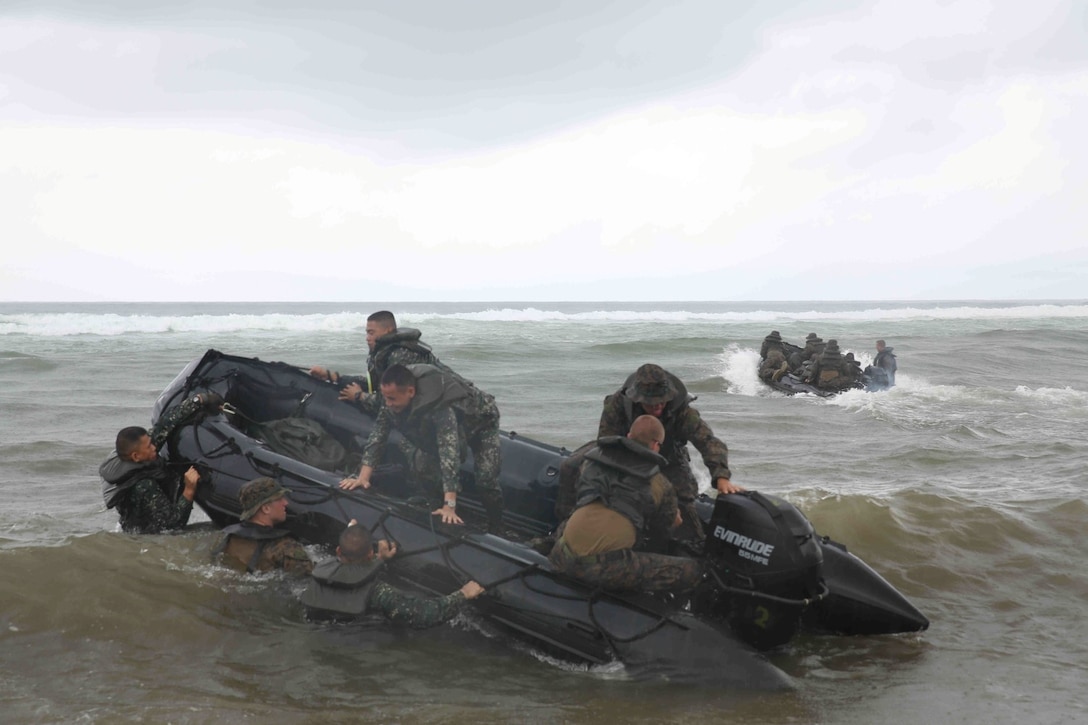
(257, 493)
(651, 386)
(775, 336)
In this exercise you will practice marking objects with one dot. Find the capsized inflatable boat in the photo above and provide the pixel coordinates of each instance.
(772, 575)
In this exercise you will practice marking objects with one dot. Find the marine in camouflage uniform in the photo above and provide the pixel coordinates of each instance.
(649, 387)
(624, 507)
(148, 494)
(255, 544)
(349, 586)
(446, 418)
(402, 346)
(772, 355)
(832, 371)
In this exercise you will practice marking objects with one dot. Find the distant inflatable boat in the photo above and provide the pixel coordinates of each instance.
(772, 575)
(871, 380)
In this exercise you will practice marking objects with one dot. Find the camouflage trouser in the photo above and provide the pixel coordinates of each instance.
(424, 471)
(628, 570)
(486, 456)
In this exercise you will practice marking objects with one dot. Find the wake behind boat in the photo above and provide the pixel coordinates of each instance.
(772, 574)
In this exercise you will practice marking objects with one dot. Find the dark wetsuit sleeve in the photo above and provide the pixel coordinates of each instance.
(375, 444)
(613, 417)
(714, 451)
(415, 612)
(149, 511)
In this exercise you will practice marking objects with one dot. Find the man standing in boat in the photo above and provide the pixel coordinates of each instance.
(349, 586)
(624, 506)
(255, 544)
(885, 359)
(652, 390)
(443, 416)
(138, 483)
(389, 345)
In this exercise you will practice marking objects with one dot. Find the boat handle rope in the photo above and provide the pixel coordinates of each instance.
(753, 594)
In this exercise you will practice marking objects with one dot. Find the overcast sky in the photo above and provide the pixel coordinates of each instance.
(502, 150)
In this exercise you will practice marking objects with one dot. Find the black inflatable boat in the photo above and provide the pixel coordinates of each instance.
(772, 574)
(872, 380)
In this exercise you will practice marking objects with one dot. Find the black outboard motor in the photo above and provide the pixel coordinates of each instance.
(768, 561)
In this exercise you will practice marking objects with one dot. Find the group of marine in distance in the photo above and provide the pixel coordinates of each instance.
(626, 498)
(823, 365)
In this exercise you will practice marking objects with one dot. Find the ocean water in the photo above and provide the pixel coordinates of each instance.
(963, 486)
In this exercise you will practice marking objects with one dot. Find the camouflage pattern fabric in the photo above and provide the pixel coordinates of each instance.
(628, 570)
(416, 612)
(145, 508)
(443, 438)
(774, 360)
(285, 554)
(681, 427)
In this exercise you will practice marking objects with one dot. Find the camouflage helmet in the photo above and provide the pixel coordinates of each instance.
(651, 386)
(257, 493)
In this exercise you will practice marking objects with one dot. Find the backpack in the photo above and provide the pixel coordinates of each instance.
(304, 440)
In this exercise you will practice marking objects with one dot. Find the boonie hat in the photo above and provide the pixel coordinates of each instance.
(775, 336)
(651, 386)
(257, 493)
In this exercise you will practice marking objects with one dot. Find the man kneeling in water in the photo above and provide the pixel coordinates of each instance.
(349, 586)
(622, 500)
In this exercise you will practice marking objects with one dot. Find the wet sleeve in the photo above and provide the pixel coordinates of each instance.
(415, 612)
(375, 444)
(448, 436)
(151, 510)
(713, 450)
(289, 555)
(613, 420)
(173, 418)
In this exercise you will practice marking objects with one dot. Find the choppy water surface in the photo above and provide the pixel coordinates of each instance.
(962, 486)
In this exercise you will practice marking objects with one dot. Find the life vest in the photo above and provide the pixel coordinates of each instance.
(402, 337)
(262, 535)
(618, 476)
(341, 590)
(435, 389)
(118, 476)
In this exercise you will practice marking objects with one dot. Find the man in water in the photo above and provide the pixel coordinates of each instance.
(885, 359)
(389, 345)
(623, 501)
(442, 415)
(256, 544)
(350, 585)
(652, 390)
(138, 483)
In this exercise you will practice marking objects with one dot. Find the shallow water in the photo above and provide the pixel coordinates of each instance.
(962, 486)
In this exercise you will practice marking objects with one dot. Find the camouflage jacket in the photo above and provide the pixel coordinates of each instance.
(417, 612)
(147, 495)
(252, 548)
(400, 347)
(683, 424)
(442, 417)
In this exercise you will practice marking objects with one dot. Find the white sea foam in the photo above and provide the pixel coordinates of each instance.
(107, 324)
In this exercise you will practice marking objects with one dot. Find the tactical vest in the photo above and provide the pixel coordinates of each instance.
(435, 389)
(403, 337)
(123, 475)
(263, 535)
(341, 590)
(618, 475)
